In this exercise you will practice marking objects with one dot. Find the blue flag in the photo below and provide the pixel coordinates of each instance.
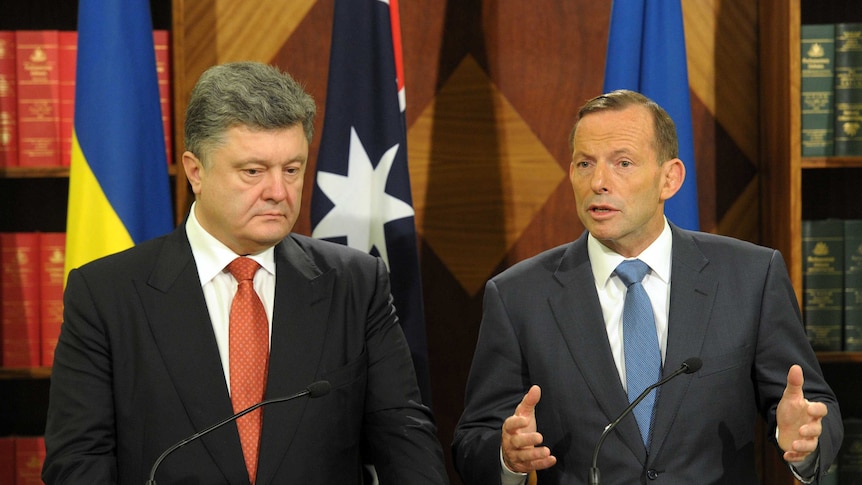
(362, 195)
(119, 191)
(646, 53)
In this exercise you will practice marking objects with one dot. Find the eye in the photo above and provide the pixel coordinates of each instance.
(252, 171)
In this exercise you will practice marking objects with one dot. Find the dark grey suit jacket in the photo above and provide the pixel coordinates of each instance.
(137, 369)
(731, 304)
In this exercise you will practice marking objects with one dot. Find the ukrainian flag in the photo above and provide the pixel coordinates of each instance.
(119, 193)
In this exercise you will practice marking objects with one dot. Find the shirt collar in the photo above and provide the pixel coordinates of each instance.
(657, 255)
(212, 256)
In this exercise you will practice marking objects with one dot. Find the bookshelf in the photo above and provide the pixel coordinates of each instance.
(793, 187)
(34, 199)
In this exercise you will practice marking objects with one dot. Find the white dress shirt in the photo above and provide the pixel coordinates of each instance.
(219, 286)
(612, 294)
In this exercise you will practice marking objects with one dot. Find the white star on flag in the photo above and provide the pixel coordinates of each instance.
(362, 206)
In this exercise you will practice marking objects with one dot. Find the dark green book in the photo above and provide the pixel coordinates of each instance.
(848, 89)
(831, 477)
(823, 282)
(818, 82)
(850, 455)
(853, 285)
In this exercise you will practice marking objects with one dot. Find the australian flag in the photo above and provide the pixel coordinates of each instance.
(646, 53)
(362, 195)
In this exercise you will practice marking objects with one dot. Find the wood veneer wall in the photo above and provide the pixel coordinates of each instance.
(492, 91)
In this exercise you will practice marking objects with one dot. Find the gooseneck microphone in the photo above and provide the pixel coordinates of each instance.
(314, 390)
(689, 366)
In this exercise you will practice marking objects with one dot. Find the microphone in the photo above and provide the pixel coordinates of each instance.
(689, 366)
(314, 390)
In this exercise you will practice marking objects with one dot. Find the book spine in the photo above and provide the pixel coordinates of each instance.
(7, 460)
(853, 285)
(29, 457)
(52, 248)
(67, 59)
(37, 56)
(823, 282)
(161, 41)
(848, 89)
(817, 88)
(850, 455)
(8, 101)
(19, 293)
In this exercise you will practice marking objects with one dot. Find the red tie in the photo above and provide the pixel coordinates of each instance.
(249, 358)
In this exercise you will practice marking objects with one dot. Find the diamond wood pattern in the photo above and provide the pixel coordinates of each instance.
(479, 175)
(492, 91)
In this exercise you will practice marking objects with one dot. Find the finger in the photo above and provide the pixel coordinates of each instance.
(817, 410)
(793, 457)
(513, 423)
(531, 459)
(811, 431)
(527, 407)
(524, 441)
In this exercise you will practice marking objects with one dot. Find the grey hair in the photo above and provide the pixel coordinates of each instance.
(248, 94)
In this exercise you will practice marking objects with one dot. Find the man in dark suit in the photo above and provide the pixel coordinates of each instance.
(550, 369)
(146, 355)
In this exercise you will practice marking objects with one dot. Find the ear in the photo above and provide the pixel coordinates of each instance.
(673, 175)
(193, 168)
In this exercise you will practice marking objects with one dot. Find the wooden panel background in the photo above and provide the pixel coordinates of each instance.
(492, 91)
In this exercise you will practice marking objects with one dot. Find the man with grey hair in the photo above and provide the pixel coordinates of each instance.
(165, 339)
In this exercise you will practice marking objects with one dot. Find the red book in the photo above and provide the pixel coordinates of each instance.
(52, 249)
(161, 41)
(29, 457)
(68, 59)
(8, 101)
(7, 460)
(37, 57)
(19, 293)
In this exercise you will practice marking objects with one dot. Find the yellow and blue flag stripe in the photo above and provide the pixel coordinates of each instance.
(119, 192)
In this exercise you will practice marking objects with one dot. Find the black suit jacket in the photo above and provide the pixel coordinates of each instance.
(731, 304)
(137, 369)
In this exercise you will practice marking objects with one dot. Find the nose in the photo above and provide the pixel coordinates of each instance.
(276, 186)
(598, 179)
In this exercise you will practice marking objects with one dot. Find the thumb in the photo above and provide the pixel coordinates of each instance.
(795, 379)
(527, 407)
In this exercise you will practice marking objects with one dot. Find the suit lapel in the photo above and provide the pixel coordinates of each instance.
(177, 312)
(303, 296)
(582, 324)
(692, 295)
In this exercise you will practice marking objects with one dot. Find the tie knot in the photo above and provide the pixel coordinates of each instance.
(632, 271)
(243, 268)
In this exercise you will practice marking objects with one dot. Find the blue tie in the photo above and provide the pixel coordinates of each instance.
(640, 343)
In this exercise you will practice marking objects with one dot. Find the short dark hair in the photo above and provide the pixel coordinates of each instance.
(665, 141)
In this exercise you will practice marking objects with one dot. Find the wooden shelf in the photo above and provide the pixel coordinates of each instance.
(831, 162)
(839, 357)
(25, 373)
(49, 172)
(34, 172)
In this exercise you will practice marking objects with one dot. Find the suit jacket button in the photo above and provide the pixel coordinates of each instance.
(652, 474)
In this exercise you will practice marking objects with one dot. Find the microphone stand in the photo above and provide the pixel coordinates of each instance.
(315, 389)
(691, 365)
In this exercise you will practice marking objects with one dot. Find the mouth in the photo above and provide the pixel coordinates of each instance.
(272, 215)
(601, 209)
